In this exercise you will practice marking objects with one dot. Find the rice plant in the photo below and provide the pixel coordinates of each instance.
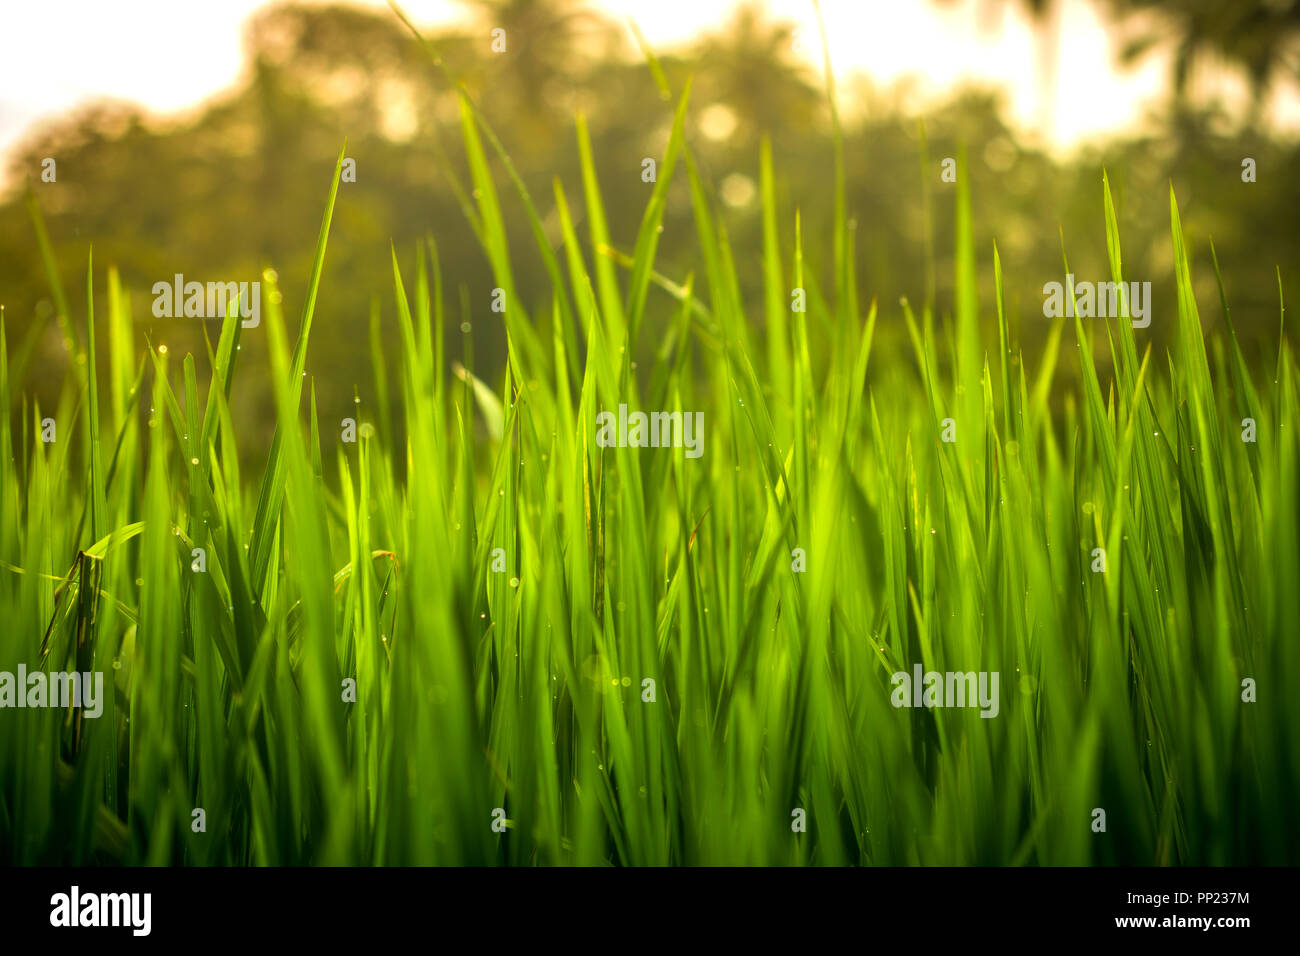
(466, 631)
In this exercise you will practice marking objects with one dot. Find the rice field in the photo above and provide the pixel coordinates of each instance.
(456, 628)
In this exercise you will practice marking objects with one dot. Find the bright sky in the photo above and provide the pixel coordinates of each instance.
(168, 55)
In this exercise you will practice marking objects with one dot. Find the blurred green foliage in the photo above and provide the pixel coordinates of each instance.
(234, 187)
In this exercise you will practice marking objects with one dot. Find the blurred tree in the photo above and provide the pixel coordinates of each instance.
(754, 71)
(1261, 37)
(549, 45)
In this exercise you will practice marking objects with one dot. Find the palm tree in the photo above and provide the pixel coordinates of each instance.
(1260, 38)
(1046, 16)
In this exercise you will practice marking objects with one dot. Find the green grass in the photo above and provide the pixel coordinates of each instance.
(522, 689)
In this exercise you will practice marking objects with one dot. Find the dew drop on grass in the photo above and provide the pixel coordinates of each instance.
(514, 582)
